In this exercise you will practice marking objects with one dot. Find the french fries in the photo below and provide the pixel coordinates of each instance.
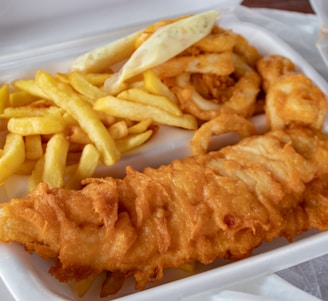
(33, 146)
(36, 175)
(55, 161)
(82, 112)
(4, 101)
(153, 84)
(135, 111)
(4, 97)
(146, 98)
(84, 87)
(30, 87)
(12, 156)
(37, 125)
(88, 163)
(132, 141)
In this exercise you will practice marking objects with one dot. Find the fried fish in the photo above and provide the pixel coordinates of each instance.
(219, 205)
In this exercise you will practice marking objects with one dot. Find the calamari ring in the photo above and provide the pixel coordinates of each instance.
(217, 63)
(242, 100)
(241, 66)
(219, 42)
(224, 123)
(213, 86)
(272, 67)
(248, 52)
(244, 94)
(188, 105)
(294, 99)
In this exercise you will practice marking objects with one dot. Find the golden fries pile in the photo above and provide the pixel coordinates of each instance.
(55, 135)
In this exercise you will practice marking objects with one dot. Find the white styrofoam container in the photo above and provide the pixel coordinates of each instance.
(27, 276)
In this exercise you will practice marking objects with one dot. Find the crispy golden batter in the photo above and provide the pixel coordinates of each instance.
(295, 99)
(272, 67)
(219, 205)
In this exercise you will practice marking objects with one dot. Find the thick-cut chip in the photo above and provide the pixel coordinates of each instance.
(97, 79)
(106, 118)
(132, 141)
(87, 165)
(142, 96)
(30, 87)
(77, 135)
(136, 111)
(80, 84)
(12, 156)
(30, 111)
(26, 168)
(81, 287)
(153, 84)
(140, 127)
(55, 161)
(62, 77)
(4, 101)
(38, 125)
(4, 97)
(63, 95)
(119, 129)
(33, 147)
(36, 176)
(20, 98)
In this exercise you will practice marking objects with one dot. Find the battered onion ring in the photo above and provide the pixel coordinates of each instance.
(293, 99)
(219, 42)
(242, 100)
(217, 63)
(224, 123)
(244, 94)
(248, 52)
(272, 67)
(241, 67)
(187, 104)
(213, 86)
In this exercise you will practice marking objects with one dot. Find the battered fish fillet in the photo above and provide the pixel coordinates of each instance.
(219, 205)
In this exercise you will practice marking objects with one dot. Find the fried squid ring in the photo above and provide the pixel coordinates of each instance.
(248, 52)
(213, 86)
(244, 94)
(294, 99)
(224, 123)
(242, 100)
(219, 42)
(216, 63)
(272, 67)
